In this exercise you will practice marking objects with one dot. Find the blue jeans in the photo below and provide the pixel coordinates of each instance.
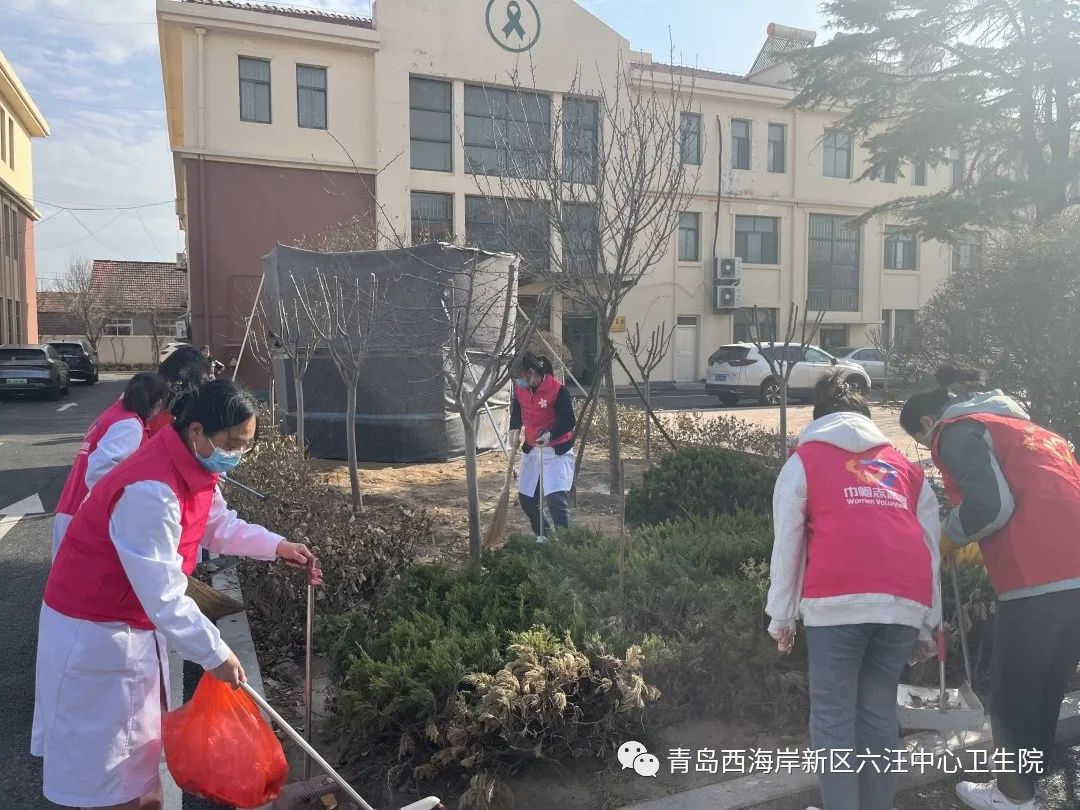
(854, 672)
(558, 504)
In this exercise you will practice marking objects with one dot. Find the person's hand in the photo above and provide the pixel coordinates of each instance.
(785, 639)
(299, 556)
(925, 650)
(230, 672)
(543, 439)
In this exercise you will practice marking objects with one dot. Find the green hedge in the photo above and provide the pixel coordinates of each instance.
(701, 481)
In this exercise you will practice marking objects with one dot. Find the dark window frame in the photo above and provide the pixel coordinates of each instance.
(830, 151)
(324, 91)
(582, 255)
(501, 223)
(918, 173)
(896, 250)
(448, 142)
(268, 83)
(685, 131)
(579, 166)
(743, 243)
(502, 146)
(696, 218)
(414, 230)
(826, 278)
(776, 156)
(742, 323)
(742, 146)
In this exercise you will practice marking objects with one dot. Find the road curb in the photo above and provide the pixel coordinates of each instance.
(747, 792)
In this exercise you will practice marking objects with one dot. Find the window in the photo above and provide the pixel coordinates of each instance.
(514, 226)
(255, 90)
(432, 217)
(430, 125)
(507, 133)
(689, 237)
(311, 97)
(3, 136)
(956, 168)
(11, 141)
(690, 129)
(119, 327)
(918, 173)
(889, 171)
(581, 135)
(833, 271)
(901, 250)
(539, 315)
(744, 330)
(757, 239)
(740, 144)
(830, 337)
(966, 253)
(836, 153)
(579, 238)
(903, 324)
(777, 148)
(868, 356)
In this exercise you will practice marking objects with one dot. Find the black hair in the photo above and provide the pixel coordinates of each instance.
(218, 405)
(833, 395)
(143, 392)
(185, 370)
(536, 362)
(933, 403)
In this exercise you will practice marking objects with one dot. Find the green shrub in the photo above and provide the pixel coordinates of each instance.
(704, 482)
(361, 553)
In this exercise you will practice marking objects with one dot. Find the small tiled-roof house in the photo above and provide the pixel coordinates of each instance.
(54, 313)
(147, 297)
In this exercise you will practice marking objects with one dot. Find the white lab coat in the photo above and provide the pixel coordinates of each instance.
(558, 471)
(121, 440)
(99, 691)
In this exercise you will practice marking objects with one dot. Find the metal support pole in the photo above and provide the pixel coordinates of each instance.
(247, 331)
(572, 378)
(307, 667)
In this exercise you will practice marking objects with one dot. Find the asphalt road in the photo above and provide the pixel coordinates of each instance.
(38, 440)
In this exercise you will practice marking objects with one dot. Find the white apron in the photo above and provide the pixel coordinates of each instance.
(558, 472)
(59, 526)
(91, 760)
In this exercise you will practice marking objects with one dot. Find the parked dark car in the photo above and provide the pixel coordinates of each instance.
(36, 369)
(81, 358)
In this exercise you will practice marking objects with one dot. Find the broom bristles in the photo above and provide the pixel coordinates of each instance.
(213, 604)
(496, 532)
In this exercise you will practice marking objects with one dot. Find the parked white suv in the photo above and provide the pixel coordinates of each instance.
(739, 371)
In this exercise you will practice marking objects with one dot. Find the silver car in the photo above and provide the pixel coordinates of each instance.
(871, 359)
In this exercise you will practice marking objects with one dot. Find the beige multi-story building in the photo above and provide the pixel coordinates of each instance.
(20, 121)
(284, 122)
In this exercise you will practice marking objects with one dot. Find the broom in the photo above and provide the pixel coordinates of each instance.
(213, 604)
(496, 532)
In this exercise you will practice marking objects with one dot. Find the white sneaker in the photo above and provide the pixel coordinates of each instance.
(986, 796)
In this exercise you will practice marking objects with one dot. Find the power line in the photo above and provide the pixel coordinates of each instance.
(71, 19)
(147, 232)
(71, 206)
(97, 238)
(96, 106)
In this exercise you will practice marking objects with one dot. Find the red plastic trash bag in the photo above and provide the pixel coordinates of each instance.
(219, 746)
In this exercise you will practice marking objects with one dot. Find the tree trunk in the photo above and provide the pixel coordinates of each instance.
(648, 420)
(622, 557)
(584, 430)
(350, 441)
(782, 439)
(298, 389)
(615, 456)
(472, 486)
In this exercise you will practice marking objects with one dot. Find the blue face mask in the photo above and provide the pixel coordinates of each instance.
(220, 461)
(521, 382)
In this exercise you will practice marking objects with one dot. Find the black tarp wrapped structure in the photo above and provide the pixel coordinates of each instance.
(403, 414)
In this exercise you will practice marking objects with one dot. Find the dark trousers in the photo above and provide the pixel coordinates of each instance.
(1036, 652)
(558, 504)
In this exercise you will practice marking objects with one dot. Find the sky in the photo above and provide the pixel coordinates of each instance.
(103, 180)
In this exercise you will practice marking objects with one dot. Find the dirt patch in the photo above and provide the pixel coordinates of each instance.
(439, 489)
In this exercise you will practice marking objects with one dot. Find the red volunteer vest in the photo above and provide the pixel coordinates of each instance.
(162, 420)
(862, 527)
(87, 580)
(75, 487)
(1037, 546)
(538, 410)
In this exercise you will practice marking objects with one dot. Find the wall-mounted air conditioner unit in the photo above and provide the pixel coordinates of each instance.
(181, 260)
(727, 270)
(727, 297)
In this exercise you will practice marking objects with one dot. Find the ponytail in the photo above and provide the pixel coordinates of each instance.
(143, 392)
(833, 395)
(933, 403)
(218, 405)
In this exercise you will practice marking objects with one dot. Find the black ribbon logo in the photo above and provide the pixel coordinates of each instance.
(513, 17)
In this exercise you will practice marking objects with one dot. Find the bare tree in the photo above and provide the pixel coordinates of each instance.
(782, 359)
(886, 347)
(484, 345)
(647, 358)
(602, 172)
(341, 313)
(157, 306)
(92, 308)
(299, 342)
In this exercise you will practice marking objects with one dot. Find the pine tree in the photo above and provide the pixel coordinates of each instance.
(989, 84)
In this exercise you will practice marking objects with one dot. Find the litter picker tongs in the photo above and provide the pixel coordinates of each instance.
(296, 795)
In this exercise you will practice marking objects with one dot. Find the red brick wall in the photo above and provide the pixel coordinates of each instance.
(248, 209)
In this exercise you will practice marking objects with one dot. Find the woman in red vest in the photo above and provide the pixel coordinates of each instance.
(115, 601)
(543, 410)
(856, 556)
(1015, 489)
(114, 435)
(185, 368)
